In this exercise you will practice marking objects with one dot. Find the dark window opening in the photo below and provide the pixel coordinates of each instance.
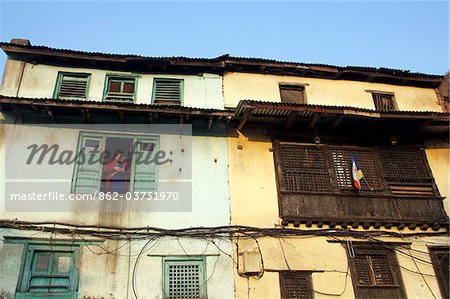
(293, 94)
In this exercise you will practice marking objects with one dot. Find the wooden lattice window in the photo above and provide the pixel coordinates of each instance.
(367, 161)
(168, 91)
(303, 168)
(407, 172)
(72, 86)
(375, 273)
(184, 278)
(384, 102)
(440, 259)
(291, 93)
(296, 285)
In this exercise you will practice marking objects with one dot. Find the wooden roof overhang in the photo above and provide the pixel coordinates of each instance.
(217, 65)
(331, 122)
(55, 110)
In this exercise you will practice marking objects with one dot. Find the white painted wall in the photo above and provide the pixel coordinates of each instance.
(39, 81)
(109, 275)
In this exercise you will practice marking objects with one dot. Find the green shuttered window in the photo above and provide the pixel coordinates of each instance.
(120, 88)
(167, 91)
(96, 164)
(184, 278)
(50, 271)
(72, 86)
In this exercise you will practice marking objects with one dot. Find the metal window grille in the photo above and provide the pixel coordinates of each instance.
(167, 91)
(184, 279)
(295, 285)
(73, 86)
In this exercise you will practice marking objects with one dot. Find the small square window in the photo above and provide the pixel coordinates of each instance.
(384, 102)
(296, 285)
(184, 278)
(167, 91)
(120, 89)
(72, 86)
(292, 94)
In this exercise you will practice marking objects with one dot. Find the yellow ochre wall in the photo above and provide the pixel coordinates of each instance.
(241, 86)
(254, 202)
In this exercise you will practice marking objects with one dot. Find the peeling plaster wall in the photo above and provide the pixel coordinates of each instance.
(39, 81)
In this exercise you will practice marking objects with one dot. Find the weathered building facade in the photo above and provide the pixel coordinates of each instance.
(266, 152)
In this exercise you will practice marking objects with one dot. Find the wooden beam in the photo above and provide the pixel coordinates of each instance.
(86, 116)
(121, 116)
(151, 118)
(289, 122)
(50, 115)
(337, 121)
(244, 119)
(314, 120)
(18, 114)
(209, 123)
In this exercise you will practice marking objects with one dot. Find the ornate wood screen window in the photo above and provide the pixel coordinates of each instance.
(296, 285)
(375, 273)
(328, 169)
(440, 259)
(315, 184)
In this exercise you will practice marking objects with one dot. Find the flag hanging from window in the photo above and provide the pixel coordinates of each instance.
(357, 173)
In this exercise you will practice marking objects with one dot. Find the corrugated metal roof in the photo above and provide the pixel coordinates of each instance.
(230, 59)
(245, 103)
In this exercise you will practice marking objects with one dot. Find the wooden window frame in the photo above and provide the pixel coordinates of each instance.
(440, 277)
(59, 81)
(124, 78)
(181, 85)
(383, 93)
(201, 260)
(103, 136)
(293, 85)
(372, 249)
(282, 278)
(29, 250)
(382, 189)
